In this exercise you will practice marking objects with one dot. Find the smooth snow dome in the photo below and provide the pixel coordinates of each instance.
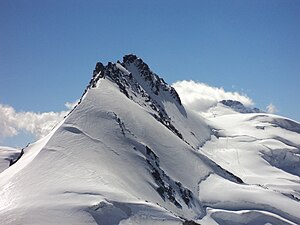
(130, 152)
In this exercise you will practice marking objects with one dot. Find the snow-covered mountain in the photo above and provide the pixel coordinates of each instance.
(131, 153)
(239, 107)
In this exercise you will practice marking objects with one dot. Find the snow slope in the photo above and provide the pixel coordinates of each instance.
(131, 153)
(263, 150)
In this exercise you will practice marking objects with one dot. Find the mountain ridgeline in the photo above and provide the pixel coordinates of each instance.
(125, 77)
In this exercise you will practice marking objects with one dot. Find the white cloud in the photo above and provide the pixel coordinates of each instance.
(71, 105)
(271, 108)
(38, 124)
(200, 96)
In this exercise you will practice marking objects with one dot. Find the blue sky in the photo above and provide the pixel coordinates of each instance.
(48, 48)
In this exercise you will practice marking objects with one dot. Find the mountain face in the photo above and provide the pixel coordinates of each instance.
(131, 153)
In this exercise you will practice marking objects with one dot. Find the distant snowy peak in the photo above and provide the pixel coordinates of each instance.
(239, 107)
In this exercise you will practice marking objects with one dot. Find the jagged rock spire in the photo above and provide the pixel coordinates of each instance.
(123, 80)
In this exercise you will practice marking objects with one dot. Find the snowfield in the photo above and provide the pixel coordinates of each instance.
(131, 153)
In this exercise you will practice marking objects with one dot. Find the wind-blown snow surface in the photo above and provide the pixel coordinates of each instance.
(130, 153)
(264, 151)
